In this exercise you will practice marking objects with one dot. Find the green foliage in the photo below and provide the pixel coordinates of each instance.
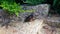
(56, 5)
(11, 7)
(34, 2)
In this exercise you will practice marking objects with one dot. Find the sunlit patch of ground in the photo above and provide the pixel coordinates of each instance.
(34, 27)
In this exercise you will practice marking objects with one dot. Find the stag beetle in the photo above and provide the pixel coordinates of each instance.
(29, 18)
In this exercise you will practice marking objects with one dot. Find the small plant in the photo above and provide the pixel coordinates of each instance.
(12, 8)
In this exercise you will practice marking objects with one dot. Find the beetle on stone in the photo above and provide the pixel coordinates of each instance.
(29, 18)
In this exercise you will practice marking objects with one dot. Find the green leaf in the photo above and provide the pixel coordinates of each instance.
(17, 14)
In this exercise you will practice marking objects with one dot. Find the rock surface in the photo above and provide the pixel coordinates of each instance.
(39, 10)
(34, 27)
(23, 28)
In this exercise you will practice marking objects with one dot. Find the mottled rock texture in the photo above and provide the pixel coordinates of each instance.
(23, 28)
(39, 11)
(34, 27)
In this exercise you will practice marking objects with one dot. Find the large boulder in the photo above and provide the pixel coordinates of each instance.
(39, 11)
